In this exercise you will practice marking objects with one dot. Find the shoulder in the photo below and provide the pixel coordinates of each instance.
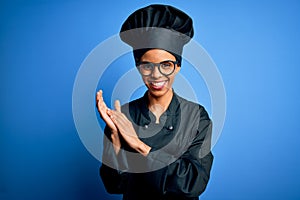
(191, 107)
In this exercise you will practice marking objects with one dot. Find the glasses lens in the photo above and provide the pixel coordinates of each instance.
(167, 67)
(146, 68)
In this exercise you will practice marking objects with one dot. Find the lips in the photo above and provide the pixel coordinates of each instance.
(158, 85)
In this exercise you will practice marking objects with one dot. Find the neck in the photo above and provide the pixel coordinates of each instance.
(163, 101)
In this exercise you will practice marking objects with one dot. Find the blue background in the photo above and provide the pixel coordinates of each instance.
(255, 45)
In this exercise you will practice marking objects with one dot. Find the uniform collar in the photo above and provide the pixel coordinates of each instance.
(172, 109)
(141, 116)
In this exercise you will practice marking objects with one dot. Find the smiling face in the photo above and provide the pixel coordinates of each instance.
(158, 84)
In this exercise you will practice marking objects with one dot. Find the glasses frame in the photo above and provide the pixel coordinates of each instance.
(158, 66)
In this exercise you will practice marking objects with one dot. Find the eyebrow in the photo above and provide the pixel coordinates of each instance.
(158, 62)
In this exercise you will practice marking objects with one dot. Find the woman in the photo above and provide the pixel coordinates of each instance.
(158, 146)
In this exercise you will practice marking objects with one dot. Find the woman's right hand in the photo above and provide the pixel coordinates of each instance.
(103, 110)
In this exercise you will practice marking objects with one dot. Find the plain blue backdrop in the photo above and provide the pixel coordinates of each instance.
(255, 45)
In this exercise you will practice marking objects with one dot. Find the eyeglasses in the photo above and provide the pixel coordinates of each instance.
(166, 67)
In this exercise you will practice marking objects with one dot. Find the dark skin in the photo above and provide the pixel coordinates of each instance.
(160, 94)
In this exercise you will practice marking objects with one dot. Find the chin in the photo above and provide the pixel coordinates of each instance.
(159, 93)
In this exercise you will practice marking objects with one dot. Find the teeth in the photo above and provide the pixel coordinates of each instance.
(158, 84)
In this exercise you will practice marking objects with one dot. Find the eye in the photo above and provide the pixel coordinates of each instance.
(166, 64)
(146, 66)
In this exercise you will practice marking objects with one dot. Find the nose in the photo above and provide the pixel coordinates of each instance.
(156, 73)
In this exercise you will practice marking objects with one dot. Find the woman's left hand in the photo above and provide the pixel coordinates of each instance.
(127, 131)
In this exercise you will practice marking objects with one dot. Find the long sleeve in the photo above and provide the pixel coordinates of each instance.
(188, 175)
(112, 179)
(111, 174)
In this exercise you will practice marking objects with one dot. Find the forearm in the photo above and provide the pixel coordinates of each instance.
(134, 142)
(191, 173)
(186, 177)
(115, 138)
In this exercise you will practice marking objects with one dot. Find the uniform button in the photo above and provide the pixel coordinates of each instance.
(146, 126)
(170, 128)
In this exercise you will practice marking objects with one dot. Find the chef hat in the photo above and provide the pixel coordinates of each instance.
(157, 27)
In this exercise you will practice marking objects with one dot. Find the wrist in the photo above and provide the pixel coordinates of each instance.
(116, 142)
(143, 148)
